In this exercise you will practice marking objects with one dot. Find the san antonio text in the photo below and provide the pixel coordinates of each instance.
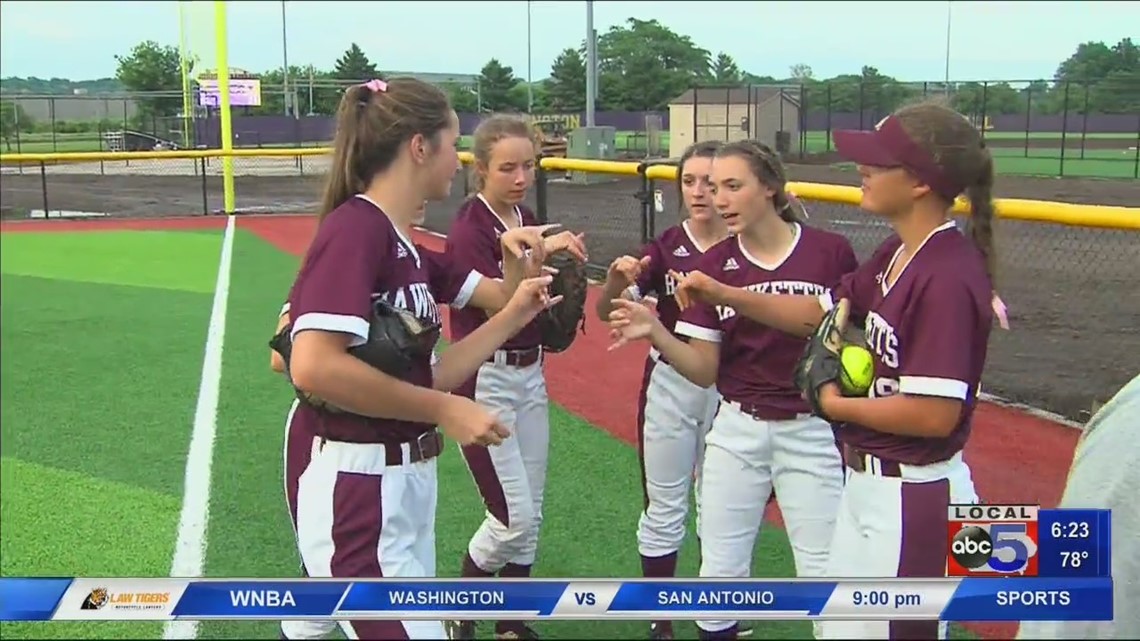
(715, 597)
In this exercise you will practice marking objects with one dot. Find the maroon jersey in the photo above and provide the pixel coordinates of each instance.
(757, 362)
(675, 249)
(473, 243)
(359, 255)
(929, 332)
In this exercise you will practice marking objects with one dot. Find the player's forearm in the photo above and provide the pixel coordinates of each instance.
(922, 416)
(461, 360)
(611, 290)
(353, 385)
(795, 314)
(686, 359)
(514, 272)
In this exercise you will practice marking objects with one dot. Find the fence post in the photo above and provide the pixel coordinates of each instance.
(540, 193)
(645, 197)
(1064, 127)
(862, 107)
(696, 108)
(205, 189)
(44, 189)
(1136, 161)
(1085, 121)
(828, 117)
(985, 99)
(51, 114)
(1028, 115)
(803, 111)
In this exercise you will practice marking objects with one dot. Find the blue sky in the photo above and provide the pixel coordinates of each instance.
(989, 40)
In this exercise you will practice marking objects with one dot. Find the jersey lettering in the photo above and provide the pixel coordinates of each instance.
(884, 387)
(789, 287)
(671, 283)
(415, 298)
(882, 340)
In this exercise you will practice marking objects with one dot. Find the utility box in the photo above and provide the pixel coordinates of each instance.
(592, 143)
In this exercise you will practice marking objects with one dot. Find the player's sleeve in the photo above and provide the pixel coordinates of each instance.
(471, 246)
(701, 322)
(651, 281)
(937, 338)
(334, 289)
(451, 281)
(858, 284)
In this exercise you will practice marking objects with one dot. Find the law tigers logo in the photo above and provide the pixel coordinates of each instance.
(96, 599)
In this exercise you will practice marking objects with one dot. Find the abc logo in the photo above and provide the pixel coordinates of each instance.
(972, 547)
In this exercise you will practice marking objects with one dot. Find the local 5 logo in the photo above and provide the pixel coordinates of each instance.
(992, 549)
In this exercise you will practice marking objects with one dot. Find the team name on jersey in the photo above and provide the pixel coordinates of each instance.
(671, 283)
(791, 287)
(417, 299)
(882, 340)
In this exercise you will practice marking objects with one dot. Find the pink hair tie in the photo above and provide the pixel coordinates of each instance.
(1001, 311)
(376, 85)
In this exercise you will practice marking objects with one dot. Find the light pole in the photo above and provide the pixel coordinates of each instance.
(285, 60)
(591, 64)
(529, 80)
(949, 12)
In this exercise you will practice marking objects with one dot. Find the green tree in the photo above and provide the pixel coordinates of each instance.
(725, 71)
(643, 65)
(800, 72)
(496, 82)
(1110, 76)
(978, 99)
(354, 66)
(566, 86)
(464, 98)
(155, 69)
(13, 119)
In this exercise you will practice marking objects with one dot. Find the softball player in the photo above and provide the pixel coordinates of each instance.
(366, 502)
(510, 478)
(763, 436)
(673, 413)
(925, 298)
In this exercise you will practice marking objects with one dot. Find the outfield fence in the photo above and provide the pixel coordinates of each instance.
(1067, 271)
(1033, 127)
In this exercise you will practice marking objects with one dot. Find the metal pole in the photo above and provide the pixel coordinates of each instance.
(949, 12)
(591, 64)
(285, 61)
(529, 80)
(221, 43)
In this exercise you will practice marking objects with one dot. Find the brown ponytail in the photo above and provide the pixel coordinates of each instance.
(372, 122)
(981, 224)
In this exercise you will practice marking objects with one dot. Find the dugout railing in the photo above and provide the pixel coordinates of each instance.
(1067, 271)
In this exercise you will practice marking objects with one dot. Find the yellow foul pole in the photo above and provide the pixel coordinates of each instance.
(223, 64)
(184, 66)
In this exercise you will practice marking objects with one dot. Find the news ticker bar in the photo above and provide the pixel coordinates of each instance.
(952, 599)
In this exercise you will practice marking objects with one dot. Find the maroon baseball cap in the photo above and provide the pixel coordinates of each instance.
(888, 145)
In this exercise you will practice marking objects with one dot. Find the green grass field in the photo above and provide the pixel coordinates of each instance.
(103, 335)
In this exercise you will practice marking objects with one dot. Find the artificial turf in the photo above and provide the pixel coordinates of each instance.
(96, 428)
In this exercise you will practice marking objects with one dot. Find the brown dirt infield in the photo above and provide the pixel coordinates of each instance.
(1071, 291)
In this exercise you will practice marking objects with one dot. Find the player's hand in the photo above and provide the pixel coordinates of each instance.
(530, 299)
(469, 423)
(528, 245)
(630, 321)
(625, 270)
(696, 287)
(566, 240)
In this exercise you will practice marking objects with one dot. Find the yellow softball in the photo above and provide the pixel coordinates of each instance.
(857, 369)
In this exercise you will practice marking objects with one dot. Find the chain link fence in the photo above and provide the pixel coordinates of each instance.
(1071, 290)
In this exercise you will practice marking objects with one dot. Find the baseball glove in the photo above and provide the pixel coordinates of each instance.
(820, 362)
(561, 323)
(396, 339)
